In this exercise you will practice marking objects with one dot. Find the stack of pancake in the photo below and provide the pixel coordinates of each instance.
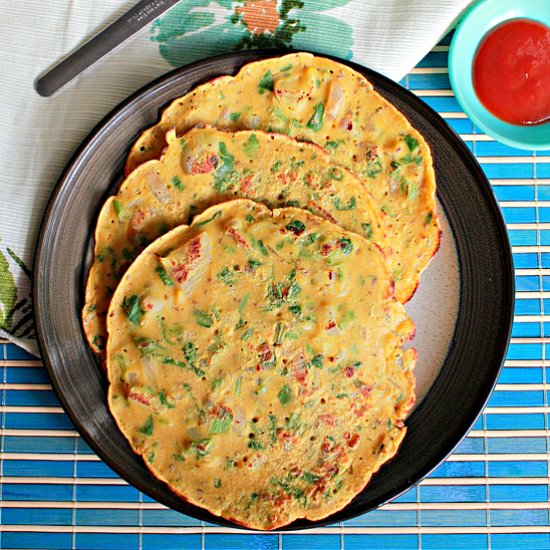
(247, 290)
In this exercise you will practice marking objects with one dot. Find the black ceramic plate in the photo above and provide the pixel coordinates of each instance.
(467, 375)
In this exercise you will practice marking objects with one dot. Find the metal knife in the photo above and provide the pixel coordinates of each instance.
(101, 44)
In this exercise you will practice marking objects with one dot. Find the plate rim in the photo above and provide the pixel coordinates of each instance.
(434, 118)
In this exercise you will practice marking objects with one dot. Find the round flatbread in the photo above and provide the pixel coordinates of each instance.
(324, 102)
(207, 167)
(255, 362)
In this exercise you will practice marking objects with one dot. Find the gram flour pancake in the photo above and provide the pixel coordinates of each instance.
(206, 167)
(255, 363)
(319, 100)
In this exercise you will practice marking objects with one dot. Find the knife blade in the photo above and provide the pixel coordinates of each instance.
(143, 13)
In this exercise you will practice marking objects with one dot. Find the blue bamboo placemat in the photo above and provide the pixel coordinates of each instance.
(493, 492)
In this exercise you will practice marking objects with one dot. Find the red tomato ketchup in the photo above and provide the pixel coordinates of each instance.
(511, 73)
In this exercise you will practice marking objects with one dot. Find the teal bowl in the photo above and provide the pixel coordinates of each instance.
(483, 17)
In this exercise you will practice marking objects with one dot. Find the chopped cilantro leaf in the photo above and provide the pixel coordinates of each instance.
(215, 215)
(310, 478)
(222, 422)
(374, 167)
(147, 427)
(332, 145)
(256, 445)
(346, 245)
(164, 276)
(367, 228)
(227, 276)
(296, 226)
(284, 395)
(132, 307)
(201, 447)
(350, 205)
(317, 361)
(164, 401)
(202, 318)
(176, 182)
(296, 310)
(411, 143)
(315, 123)
(335, 173)
(118, 207)
(252, 146)
(266, 83)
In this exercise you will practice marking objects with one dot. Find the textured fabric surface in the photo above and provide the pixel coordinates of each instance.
(38, 135)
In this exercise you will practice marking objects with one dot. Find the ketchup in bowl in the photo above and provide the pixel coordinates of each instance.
(511, 72)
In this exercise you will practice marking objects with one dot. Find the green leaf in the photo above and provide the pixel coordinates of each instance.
(256, 445)
(315, 123)
(164, 276)
(296, 226)
(367, 228)
(335, 173)
(228, 160)
(346, 245)
(201, 447)
(234, 116)
(164, 401)
(176, 182)
(261, 247)
(222, 422)
(118, 207)
(132, 307)
(285, 395)
(8, 294)
(242, 303)
(227, 276)
(216, 214)
(295, 309)
(148, 347)
(279, 331)
(190, 352)
(409, 159)
(148, 426)
(266, 83)
(317, 361)
(429, 218)
(411, 143)
(182, 365)
(276, 166)
(252, 146)
(310, 478)
(350, 205)
(374, 167)
(202, 318)
(332, 145)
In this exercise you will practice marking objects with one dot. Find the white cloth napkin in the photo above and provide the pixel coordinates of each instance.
(38, 136)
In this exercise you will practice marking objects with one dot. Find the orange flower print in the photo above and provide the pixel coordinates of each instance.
(260, 16)
(195, 29)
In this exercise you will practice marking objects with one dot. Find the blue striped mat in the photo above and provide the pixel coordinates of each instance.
(493, 492)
